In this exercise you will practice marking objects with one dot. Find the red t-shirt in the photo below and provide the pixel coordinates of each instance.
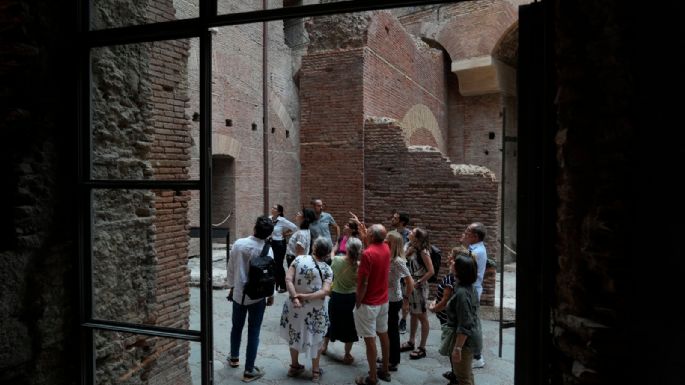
(375, 263)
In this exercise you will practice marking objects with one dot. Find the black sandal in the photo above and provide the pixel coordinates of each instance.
(407, 346)
(364, 380)
(418, 353)
(383, 375)
(233, 362)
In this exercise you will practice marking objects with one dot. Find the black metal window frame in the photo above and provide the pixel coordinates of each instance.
(198, 27)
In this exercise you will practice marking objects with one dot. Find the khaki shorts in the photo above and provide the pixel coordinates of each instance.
(370, 320)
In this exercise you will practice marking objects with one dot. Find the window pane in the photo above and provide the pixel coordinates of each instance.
(143, 241)
(145, 111)
(125, 358)
(123, 13)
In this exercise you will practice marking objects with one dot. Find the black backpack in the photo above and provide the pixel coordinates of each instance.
(260, 278)
(436, 259)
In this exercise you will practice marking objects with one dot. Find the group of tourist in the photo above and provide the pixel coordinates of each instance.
(374, 278)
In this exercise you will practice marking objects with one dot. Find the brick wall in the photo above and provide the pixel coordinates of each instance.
(331, 152)
(439, 196)
(237, 96)
(482, 129)
(401, 72)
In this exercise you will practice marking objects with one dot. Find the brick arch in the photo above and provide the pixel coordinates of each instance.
(506, 48)
(224, 145)
(418, 124)
(475, 34)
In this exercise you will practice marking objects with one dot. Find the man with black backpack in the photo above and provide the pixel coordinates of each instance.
(251, 280)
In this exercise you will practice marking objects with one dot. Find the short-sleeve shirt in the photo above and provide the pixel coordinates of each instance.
(398, 270)
(447, 281)
(478, 249)
(375, 264)
(321, 227)
(301, 237)
(345, 275)
(238, 267)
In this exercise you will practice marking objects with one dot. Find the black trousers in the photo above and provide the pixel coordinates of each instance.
(279, 254)
(394, 331)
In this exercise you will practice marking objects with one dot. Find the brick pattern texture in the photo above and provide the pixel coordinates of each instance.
(423, 184)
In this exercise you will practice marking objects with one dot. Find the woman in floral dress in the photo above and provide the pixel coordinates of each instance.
(305, 317)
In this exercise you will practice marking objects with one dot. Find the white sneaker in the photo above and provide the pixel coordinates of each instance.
(479, 363)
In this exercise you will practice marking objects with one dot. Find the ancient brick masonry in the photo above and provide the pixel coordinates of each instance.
(439, 196)
(369, 166)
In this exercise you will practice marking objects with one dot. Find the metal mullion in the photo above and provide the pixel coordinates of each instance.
(206, 331)
(149, 330)
(144, 184)
(86, 340)
(165, 30)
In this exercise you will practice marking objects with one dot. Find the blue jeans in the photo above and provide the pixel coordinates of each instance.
(254, 325)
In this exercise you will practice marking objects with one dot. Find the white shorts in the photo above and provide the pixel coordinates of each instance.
(370, 320)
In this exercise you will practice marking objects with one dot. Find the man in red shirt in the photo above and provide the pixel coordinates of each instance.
(371, 310)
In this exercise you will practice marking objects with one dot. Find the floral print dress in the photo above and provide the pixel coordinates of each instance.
(304, 328)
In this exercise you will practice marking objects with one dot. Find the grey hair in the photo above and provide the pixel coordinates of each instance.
(353, 248)
(378, 233)
(322, 247)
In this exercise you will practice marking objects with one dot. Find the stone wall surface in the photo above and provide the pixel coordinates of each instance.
(38, 253)
(140, 238)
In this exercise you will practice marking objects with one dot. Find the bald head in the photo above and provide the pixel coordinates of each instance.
(376, 233)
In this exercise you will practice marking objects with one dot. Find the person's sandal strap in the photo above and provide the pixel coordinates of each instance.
(364, 380)
(317, 374)
(294, 371)
(418, 353)
(407, 346)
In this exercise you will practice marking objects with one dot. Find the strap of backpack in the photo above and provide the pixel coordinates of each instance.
(265, 251)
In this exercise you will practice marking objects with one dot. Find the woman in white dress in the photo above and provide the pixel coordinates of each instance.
(304, 321)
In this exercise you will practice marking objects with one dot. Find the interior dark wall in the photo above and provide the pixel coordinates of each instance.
(38, 292)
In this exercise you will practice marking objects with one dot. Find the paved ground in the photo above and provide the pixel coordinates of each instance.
(273, 353)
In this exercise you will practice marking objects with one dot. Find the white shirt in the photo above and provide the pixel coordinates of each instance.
(280, 225)
(242, 251)
(478, 249)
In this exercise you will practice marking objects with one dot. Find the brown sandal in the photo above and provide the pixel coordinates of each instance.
(364, 380)
(295, 371)
(418, 353)
(348, 359)
(407, 346)
(316, 375)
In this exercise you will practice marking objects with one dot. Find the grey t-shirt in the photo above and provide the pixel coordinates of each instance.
(321, 227)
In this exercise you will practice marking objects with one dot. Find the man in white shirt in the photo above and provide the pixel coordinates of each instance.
(242, 251)
(473, 238)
